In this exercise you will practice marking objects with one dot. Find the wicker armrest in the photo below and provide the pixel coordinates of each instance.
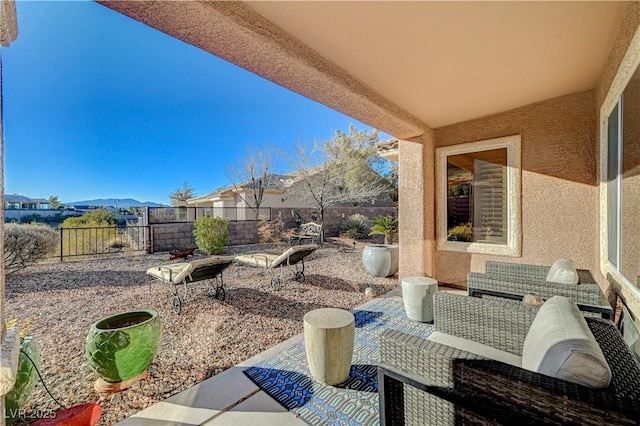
(421, 359)
(461, 385)
(498, 323)
(589, 294)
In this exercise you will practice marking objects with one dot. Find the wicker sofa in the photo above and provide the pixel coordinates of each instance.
(422, 382)
(520, 279)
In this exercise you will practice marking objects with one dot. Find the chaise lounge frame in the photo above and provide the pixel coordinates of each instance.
(175, 274)
(275, 265)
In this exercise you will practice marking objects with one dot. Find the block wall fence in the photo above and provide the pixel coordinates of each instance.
(171, 236)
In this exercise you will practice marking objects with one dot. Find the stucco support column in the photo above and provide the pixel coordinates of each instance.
(417, 206)
(9, 342)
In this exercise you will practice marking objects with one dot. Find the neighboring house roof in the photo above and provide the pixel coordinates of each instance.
(17, 198)
(274, 183)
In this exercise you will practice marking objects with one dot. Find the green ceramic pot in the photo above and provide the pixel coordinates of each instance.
(123, 346)
(25, 380)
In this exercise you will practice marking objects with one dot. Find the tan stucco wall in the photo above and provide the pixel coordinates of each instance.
(417, 215)
(559, 183)
(627, 31)
(611, 85)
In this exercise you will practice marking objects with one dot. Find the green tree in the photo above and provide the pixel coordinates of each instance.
(54, 202)
(180, 196)
(357, 164)
(342, 170)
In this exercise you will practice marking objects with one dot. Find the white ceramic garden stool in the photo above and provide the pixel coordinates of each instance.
(328, 341)
(417, 295)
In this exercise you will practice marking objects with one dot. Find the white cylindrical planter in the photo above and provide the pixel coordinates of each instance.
(417, 295)
(381, 260)
(328, 341)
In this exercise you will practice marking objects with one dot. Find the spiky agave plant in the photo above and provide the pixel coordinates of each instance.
(356, 226)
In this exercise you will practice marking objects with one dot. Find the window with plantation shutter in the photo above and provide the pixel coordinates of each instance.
(489, 207)
(478, 196)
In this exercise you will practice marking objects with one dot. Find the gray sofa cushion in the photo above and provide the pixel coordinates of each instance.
(560, 344)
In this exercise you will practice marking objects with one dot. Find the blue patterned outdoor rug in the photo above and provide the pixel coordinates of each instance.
(286, 378)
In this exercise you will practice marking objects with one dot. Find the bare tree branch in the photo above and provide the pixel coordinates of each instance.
(251, 176)
(337, 172)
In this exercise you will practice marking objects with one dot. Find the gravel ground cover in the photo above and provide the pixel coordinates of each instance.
(64, 298)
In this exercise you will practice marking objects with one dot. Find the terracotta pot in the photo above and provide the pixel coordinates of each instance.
(79, 415)
(123, 346)
(381, 260)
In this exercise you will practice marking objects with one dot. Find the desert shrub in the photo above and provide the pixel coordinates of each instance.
(32, 218)
(273, 231)
(26, 244)
(461, 232)
(387, 226)
(36, 218)
(211, 234)
(99, 236)
(356, 226)
(99, 217)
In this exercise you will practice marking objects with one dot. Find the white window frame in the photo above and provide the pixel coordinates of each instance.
(513, 247)
(618, 185)
(630, 62)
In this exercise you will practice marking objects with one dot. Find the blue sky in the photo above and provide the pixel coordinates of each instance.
(97, 105)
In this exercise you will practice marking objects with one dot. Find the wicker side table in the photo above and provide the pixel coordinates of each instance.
(328, 341)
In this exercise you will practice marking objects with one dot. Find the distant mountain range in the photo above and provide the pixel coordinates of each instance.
(124, 203)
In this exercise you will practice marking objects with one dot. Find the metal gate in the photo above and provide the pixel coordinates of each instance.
(102, 240)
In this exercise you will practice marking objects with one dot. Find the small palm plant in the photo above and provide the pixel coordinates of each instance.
(387, 226)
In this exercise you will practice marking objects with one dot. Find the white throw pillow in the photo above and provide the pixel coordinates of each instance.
(560, 344)
(563, 271)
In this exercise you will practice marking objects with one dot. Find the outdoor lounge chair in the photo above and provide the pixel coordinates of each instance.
(513, 281)
(425, 382)
(184, 273)
(272, 262)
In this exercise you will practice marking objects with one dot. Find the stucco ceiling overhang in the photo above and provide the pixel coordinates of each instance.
(238, 34)
(8, 22)
(403, 66)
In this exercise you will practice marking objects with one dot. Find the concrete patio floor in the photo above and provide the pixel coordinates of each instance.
(230, 398)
